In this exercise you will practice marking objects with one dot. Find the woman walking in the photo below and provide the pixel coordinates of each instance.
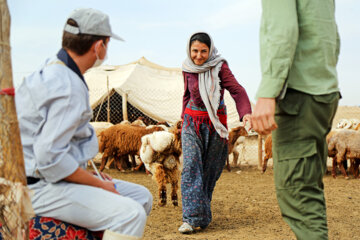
(204, 133)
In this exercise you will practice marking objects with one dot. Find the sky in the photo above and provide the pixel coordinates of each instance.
(159, 30)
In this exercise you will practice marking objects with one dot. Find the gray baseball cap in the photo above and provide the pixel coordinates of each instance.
(92, 22)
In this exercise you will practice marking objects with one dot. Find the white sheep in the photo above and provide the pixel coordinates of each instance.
(160, 152)
(345, 144)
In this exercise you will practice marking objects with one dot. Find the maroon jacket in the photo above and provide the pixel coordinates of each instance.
(228, 82)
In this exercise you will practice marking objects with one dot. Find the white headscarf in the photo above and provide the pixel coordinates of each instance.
(209, 83)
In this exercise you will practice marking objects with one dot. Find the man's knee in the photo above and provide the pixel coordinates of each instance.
(148, 202)
(146, 199)
(133, 223)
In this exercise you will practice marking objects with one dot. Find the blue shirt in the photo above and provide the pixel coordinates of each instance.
(54, 112)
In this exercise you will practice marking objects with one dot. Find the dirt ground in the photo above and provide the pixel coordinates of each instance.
(244, 206)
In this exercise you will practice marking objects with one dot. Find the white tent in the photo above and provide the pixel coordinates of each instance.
(155, 90)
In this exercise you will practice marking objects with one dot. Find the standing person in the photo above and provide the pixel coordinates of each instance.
(54, 113)
(204, 133)
(299, 53)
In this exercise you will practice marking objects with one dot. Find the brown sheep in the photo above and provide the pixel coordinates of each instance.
(123, 160)
(120, 140)
(345, 144)
(99, 127)
(234, 134)
(268, 152)
(160, 152)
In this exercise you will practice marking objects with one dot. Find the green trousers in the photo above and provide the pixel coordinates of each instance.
(300, 154)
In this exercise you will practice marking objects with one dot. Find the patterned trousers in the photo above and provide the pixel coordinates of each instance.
(204, 153)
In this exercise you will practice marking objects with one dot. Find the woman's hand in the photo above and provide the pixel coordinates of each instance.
(247, 119)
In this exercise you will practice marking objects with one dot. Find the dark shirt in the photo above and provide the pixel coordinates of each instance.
(228, 82)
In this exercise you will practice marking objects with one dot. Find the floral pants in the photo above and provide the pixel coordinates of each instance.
(204, 153)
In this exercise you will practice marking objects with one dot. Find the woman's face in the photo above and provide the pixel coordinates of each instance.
(199, 52)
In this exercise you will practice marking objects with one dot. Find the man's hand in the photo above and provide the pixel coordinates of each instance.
(103, 175)
(109, 186)
(82, 176)
(263, 117)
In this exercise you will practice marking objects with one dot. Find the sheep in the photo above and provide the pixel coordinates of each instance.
(124, 161)
(345, 144)
(332, 154)
(355, 124)
(99, 127)
(234, 134)
(120, 140)
(344, 123)
(160, 152)
(268, 152)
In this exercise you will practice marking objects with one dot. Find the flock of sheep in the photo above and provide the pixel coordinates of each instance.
(157, 147)
(343, 144)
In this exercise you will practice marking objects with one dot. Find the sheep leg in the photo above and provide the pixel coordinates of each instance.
(356, 167)
(137, 168)
(108, 164)
(266, 159)
(236, 156)
(228, 164)
(334, 165)
(127, 162)
(104, 159)
(340, 156)
(352, 168)
(343, 171)
(160, 178)
(133, 162)
(140, 165)
(174, 178)
(119, 163)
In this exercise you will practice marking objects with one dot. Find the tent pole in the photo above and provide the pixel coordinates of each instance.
(108, 100)
(124, 106)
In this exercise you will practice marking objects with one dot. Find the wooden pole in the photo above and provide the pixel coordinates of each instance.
(260, 151)
(108, 100)
(124, 106)
(12, 169)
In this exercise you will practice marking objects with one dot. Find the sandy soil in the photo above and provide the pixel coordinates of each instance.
(244, 207)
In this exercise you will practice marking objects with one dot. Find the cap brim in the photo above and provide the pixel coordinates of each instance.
(114, 36)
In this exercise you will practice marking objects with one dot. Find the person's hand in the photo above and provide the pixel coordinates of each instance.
(109, 186)
(263, 117)
(247, 119)
(103, 175)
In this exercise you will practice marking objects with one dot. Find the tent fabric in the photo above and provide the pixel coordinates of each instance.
(155, 90)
